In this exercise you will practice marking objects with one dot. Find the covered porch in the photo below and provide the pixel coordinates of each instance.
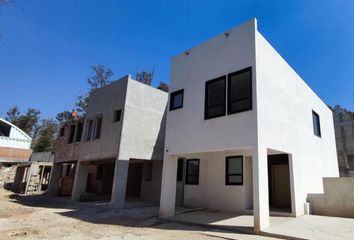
(241, 186)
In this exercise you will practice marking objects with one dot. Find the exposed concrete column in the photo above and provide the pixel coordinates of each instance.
(80, 180)
(119, 183)
(260, 189)
(18, 179)
(168, 187)
(54, 179)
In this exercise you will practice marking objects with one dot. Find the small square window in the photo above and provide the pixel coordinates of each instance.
(316, 124)
(176, 100)
(117, 115)
(192, 172)
(234, 170)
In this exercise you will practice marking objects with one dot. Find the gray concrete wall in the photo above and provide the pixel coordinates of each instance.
(337, 200)
(150, 190)
(344, 131)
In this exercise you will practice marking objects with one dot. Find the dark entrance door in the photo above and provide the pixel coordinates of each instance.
(279, 181)
(135, 174)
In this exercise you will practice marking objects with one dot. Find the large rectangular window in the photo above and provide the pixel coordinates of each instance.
(176, 100)
(192, 172)
(79, 132)
(89, 130)
(98, 127)
(316, 124)
(234, 170)
(215, 95)
(72, 133)
(240, 91)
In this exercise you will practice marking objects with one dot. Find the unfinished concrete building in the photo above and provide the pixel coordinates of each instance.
(344, 131)
(116, 152)
(32, 177)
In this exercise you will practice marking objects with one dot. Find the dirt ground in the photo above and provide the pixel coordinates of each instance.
(24, 217)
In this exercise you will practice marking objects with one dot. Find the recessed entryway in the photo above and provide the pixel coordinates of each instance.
(279, 183)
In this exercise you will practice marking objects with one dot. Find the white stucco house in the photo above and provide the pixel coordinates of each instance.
(244, 132)
(15, 144)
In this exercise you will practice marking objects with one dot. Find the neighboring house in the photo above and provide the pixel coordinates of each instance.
(14, 144)
(32, 177)
(344, 129)
(117, 150)
(244, 132)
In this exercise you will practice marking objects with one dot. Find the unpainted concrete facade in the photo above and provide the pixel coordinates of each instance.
(122, 136)
(344, 130)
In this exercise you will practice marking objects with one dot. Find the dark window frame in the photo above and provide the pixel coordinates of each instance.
(89, 135)
(98, 129)
(315, 114)
(187, 182)
(117, 113)
(206, 117)
(172, 99)
(227, 174)
(180, 168)
(72, 133)
(229, 101)
(79, 130)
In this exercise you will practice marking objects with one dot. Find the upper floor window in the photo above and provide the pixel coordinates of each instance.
(192, 172)
(117, 115)
(215, 95)
(98, 127)
(239, 91)
(234, 170)
(176, 100)
(79, 128)
(89, 130)
(72, 133)
(316, 124)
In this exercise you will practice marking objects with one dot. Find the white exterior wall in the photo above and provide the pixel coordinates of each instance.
(187, 131)
(285, 105)
(16, 139)
(211, 192)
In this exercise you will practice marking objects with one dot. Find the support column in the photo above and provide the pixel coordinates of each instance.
(80, 180)
(260, 189)
(119, 183)
(168, 187)
(16, 186)
(54, 179)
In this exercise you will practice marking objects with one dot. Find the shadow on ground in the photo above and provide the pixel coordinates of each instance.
(134, 215)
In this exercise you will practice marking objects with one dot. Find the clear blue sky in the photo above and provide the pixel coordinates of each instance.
(47, 47)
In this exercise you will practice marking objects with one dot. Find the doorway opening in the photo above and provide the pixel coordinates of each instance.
(279, 183)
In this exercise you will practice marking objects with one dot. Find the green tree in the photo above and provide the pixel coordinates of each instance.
(145, 76)
(163, 86)
(341, 114)
(100, 78)
(63, 117)
(45, 140)
(27, 122)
